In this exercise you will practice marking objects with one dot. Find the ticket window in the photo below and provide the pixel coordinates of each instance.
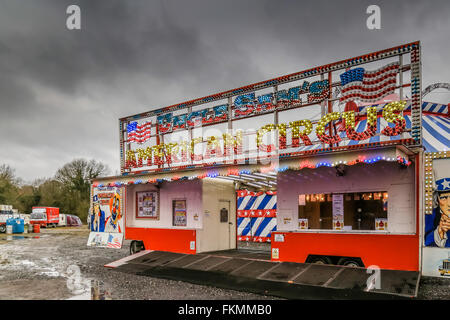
(347, 211)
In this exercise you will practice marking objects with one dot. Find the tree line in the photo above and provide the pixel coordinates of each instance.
(68, 189)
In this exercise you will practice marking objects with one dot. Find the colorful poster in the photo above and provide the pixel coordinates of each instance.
(105, 240)
(338, 211)
(436, 251)
(179, 213)
(381, 224)
(338, 224)
(301, 200)
(106, 216)
(436, 262)
(147, 205)
(303, 224)
(437, 223)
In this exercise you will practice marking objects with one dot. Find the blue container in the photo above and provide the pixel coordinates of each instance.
(18, 226)
(10, 224)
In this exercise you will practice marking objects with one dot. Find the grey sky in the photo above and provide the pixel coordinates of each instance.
(62, 91)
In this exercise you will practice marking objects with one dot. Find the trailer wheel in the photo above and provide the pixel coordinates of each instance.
(3, 228)
(350, 262)
(136, 246)
(319, 260)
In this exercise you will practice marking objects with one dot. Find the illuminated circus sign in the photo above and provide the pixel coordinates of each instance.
(323, 109)
(227, 146)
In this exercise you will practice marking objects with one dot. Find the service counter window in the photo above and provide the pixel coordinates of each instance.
(343, 211)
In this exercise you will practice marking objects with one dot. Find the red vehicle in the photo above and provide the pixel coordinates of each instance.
(45, 216)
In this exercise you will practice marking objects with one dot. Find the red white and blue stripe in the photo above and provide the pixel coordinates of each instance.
(139, 133)
(368, 86)
(256, 215)
(113, 242)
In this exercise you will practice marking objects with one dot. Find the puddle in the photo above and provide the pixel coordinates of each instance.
(27, 263)
(10, 237)
(14, 238)
(50, 273)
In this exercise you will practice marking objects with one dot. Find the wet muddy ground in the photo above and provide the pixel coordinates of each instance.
(57, 264)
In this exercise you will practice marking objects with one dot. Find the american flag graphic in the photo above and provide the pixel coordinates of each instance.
(113, 242)
(139, 133)
(368, 86)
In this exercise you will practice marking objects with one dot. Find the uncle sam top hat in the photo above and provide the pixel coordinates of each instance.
(441, 168)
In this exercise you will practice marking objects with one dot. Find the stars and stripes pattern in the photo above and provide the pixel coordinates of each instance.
(139, 133)
(256, 215)
(443, 184)
(435, 129)
(368, 86)
(113, 242)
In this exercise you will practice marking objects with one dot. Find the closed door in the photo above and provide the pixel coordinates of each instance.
(226, 225)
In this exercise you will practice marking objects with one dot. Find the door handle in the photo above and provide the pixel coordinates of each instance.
(230, 222)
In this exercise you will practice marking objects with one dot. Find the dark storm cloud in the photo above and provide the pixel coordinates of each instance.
(61, 91)
(115, 40)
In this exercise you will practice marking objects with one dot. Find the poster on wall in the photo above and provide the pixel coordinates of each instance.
(437, 224)
(338, 211)
(147, 205)
(303, 224)
(381, 224)
(179, 213)
(105, 218)
(301, 200)
(436, 252)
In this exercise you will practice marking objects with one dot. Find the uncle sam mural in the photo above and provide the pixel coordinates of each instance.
(97, 216)
(114, 220)
(437, 224)
(106, 218)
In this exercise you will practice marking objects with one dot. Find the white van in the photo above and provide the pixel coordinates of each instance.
(62, 220)
(25, 217)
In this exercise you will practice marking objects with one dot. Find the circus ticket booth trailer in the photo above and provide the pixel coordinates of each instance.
(325, 164)
(175, 214)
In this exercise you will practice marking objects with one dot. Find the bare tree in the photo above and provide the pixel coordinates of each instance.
(8, 184)
(7, 173)
(77, 174)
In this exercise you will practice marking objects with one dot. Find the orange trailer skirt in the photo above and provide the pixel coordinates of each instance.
(395, 252)
(172, 240)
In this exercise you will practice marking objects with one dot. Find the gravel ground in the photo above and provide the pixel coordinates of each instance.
(57, 264)
(432, 288)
